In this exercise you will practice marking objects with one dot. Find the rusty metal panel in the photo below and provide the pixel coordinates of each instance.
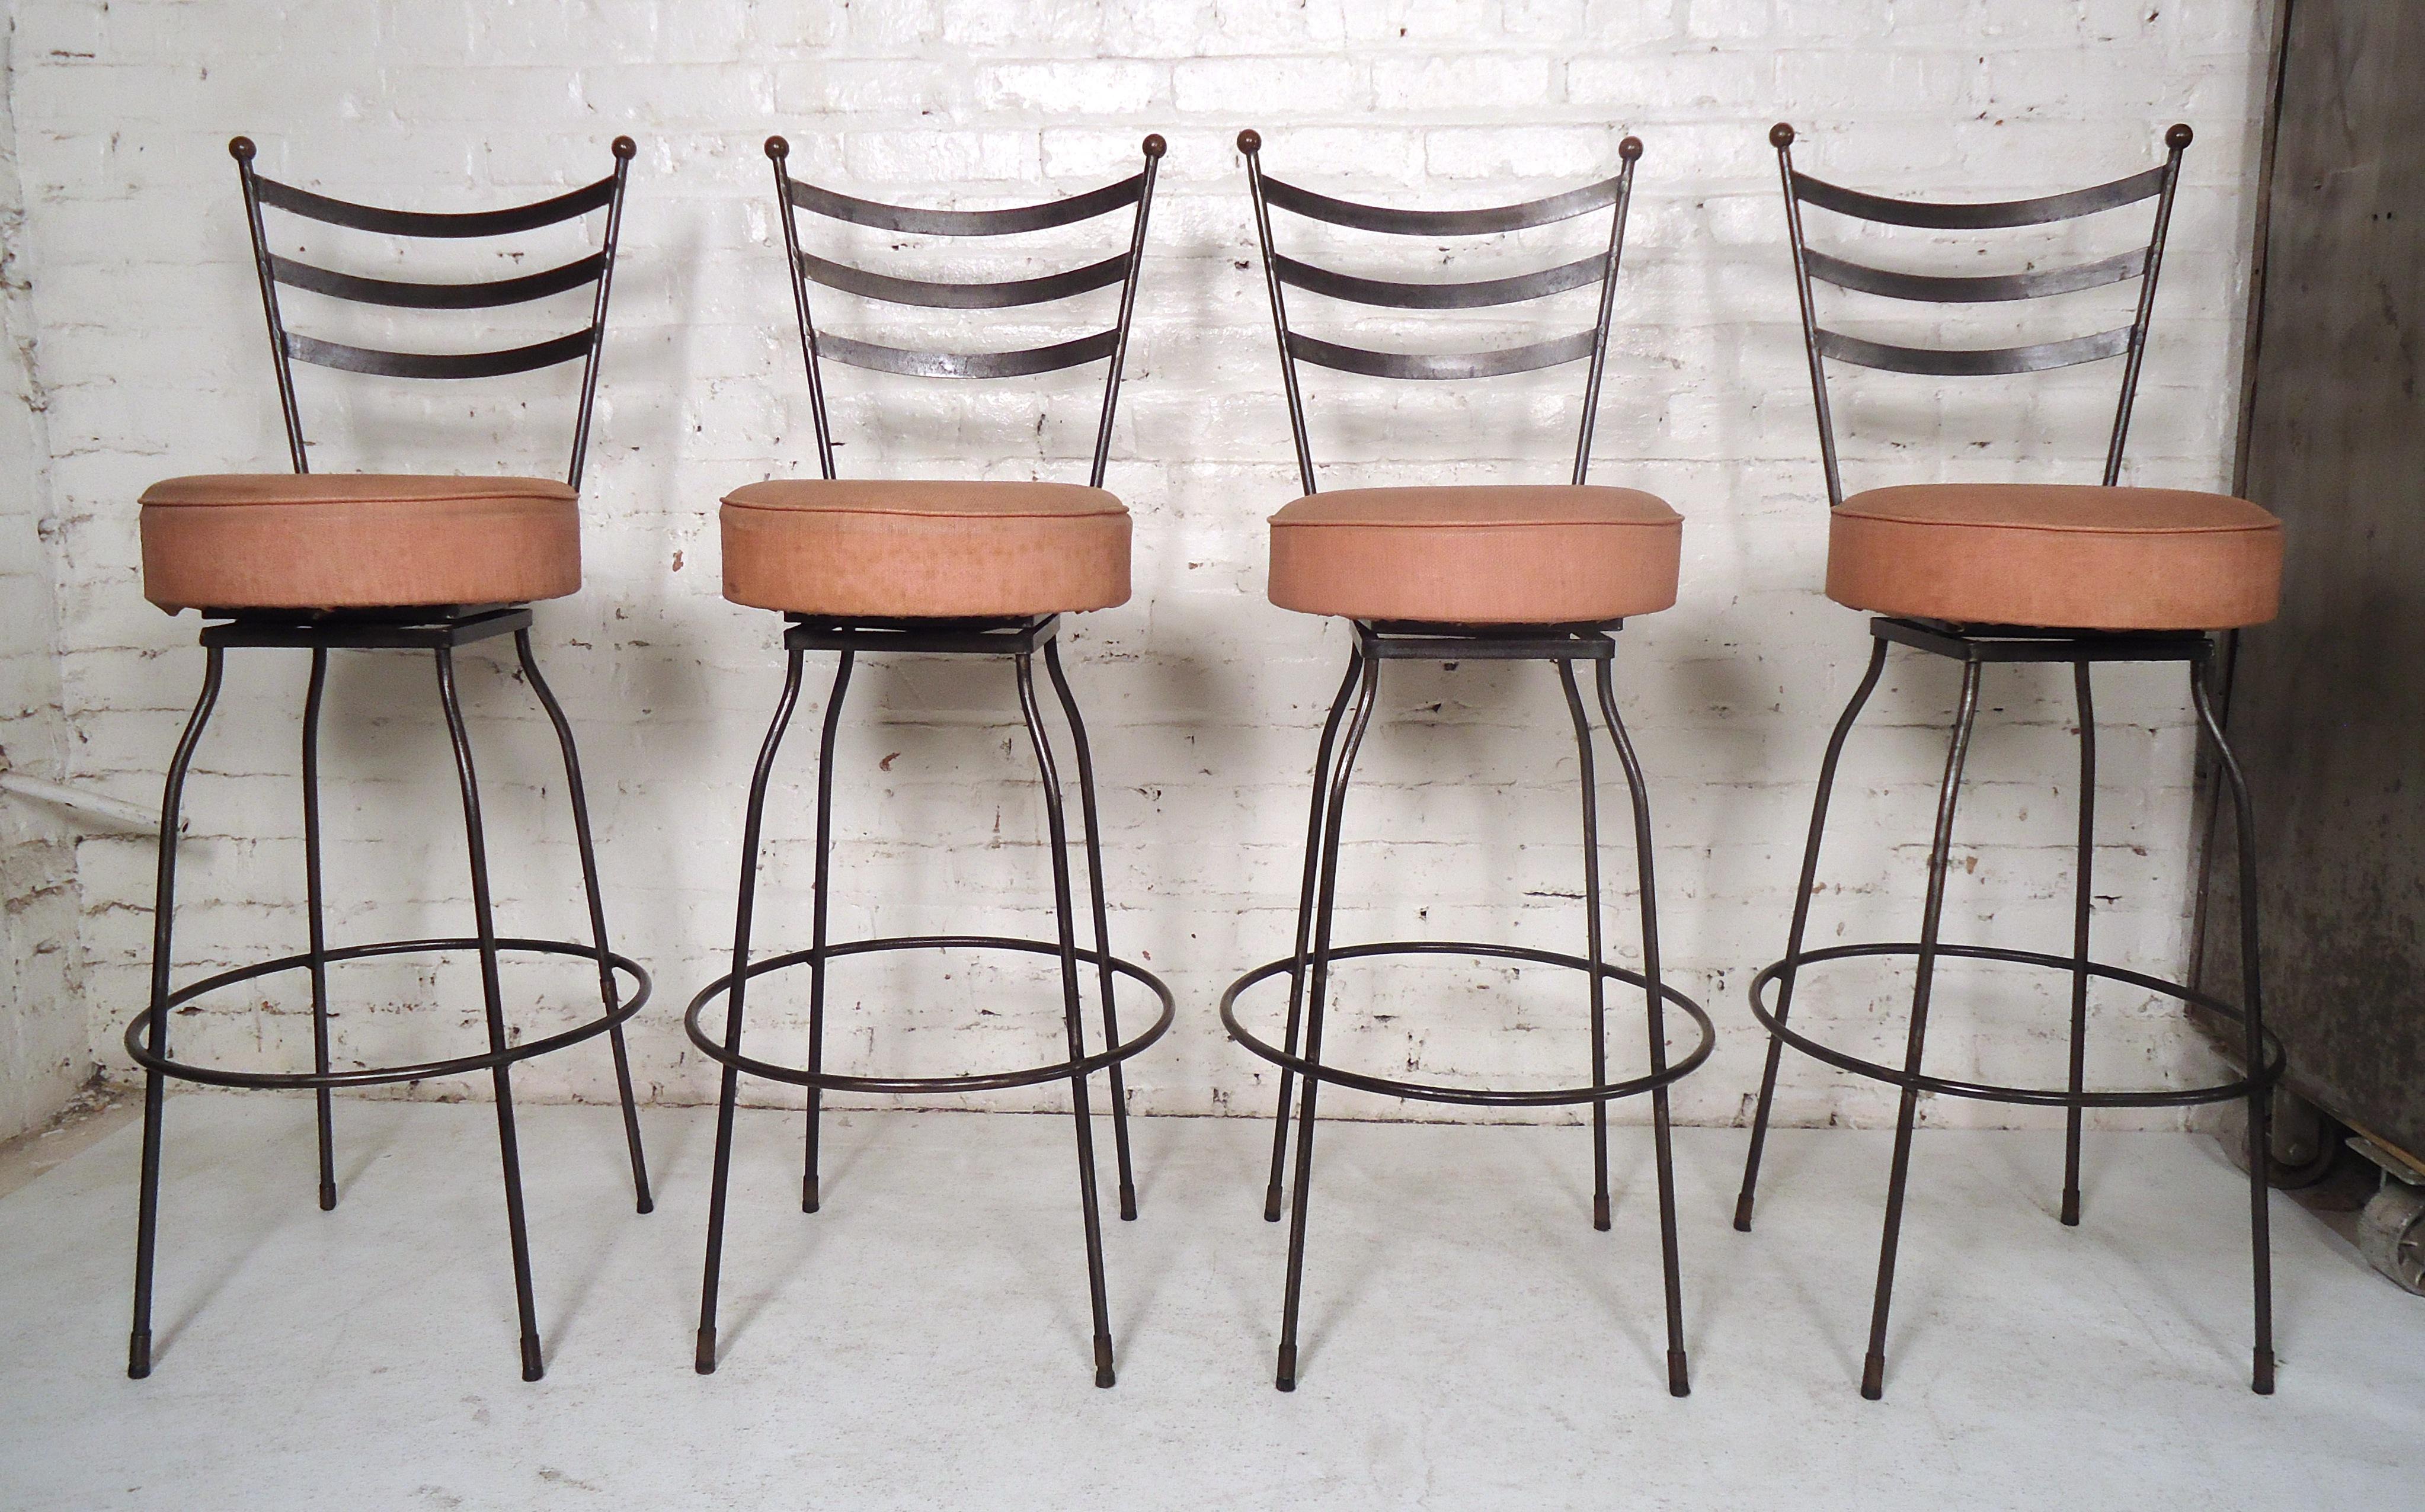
(2327, 703)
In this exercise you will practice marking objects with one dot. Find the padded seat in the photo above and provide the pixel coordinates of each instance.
(2057, 556)
(874, 548)
(283, 540)
(1477, 554)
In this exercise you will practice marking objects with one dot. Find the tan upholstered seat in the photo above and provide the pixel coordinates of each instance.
(2071, 557)
(1477, 555)
(909, 549)
(338, 540)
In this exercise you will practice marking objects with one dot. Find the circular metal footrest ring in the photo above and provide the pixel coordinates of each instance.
(989, 1081)
(1474, 1096)
(382, 1075)
(1993, 1092)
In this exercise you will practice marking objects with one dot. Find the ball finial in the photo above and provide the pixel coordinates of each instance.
(1251, 141)
(777, 148)
(1630, 149)
(625, 148)
(2179, 136)
(241, 149)
(1781, 136)
(1154, 145)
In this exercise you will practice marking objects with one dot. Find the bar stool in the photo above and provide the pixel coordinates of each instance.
(948, 568)
(1535, 572)
(1991, 574)
(329, 562)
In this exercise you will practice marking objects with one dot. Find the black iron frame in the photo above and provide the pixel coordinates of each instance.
(1307, 969)
(1976, 647)
(1022, 639)
(439, 629)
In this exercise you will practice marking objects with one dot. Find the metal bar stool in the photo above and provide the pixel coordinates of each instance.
(1988, 574)
(934, 568)
(1455, 574)
(329, 562)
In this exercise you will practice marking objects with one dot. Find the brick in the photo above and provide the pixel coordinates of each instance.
(136, 346)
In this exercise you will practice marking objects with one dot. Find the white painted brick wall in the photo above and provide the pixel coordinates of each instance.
(1203, 698)
(44, 1040)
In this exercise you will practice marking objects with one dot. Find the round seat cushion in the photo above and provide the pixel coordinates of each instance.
(2057, 556)
(339, 540)
(1477, 554)
(900, 549)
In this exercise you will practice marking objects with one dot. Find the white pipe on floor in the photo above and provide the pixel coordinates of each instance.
(112, 813)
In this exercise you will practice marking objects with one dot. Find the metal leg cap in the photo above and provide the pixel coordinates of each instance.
(138, 1354)
(704, 1362)
(2262, 1381)
(645, 1205)
(1127, 1202)
(1599, 1212)
(810, 1200)
(1743, 1214)
(1680, 1379)
(328, 1196)
(2071, 1208)
(532, 1368)
(1873, 1377)
(1287, 1378)
(1104, 1376)
(1271, 1206)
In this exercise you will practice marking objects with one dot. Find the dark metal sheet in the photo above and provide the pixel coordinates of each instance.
(2327, 706)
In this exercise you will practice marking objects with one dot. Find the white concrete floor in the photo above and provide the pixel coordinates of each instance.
(1470, 1341)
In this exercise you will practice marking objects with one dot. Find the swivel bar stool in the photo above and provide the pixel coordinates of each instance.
(934, 568)
(1534, 572)
(384, 561)
(1988, 574)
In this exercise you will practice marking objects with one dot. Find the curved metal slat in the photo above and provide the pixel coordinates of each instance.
(1933, 289)
(1481, 222)
(938, 295)
(1373, 364)
(486, 296)
(1472, 294)
(1974, 363)
(1008, 221)
(1934, 215)
(917, 364)
(439, 364)
(423, 223)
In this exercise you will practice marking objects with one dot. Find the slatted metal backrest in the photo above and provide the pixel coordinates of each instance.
(795, 196)
(1281, 273)
(2128, 341)
(596, 271)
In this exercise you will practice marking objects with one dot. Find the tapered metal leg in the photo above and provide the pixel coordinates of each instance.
(313, 901)
(1592, 941)
(744, 906)
(2260, 1101)
(164, 913)
(1317, 978)
(1073, 1018)
(1801, 921)
(1087, 813)
(1320, 790)
(2080, 907)
(1939, 857)
(492, 995)
(1679, 1380)
(607, 990)
(812, 1198)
